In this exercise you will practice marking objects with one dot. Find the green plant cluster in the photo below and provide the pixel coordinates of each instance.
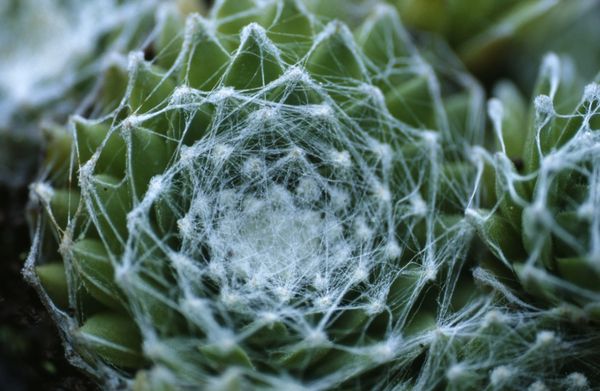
(298, 194)
(544, 221)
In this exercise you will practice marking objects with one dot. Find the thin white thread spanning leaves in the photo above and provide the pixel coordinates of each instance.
(575, 157)
(297, 216)
(289, 211)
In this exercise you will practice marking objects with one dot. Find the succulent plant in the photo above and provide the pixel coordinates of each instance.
(545, 222)
(51, 52)
(276, 202)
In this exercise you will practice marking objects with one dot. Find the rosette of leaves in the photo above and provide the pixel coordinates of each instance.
(274, 202)
(545, 223)
(51, 52)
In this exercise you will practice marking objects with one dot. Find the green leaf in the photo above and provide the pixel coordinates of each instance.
(63, 205)
(579, 271)
(207, 58)
(90, 136)
(115, 338)
(412, 102)
(504, 241)
(54, 281)
(383, 39)
(256, 62)
(111, 202)
(92, 263)
(334, 57)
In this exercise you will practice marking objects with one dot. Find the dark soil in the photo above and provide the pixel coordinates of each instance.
(31, 352)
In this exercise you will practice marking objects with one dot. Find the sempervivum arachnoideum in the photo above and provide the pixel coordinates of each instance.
(276, 203)
(546, 224)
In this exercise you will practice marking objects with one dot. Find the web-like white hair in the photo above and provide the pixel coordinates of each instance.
(305, 237)
(561, 209)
